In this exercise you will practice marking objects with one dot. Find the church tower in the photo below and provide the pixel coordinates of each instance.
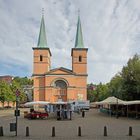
(59, 83)
(42, 53)
(41, 63)
(79, 53)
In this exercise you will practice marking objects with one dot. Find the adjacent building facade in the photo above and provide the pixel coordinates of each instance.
(59, 83)
(7, 78)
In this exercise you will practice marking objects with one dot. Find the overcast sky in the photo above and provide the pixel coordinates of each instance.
(111, 32)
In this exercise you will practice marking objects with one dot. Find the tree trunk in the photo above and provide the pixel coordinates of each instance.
(2, 104)
(8, 103)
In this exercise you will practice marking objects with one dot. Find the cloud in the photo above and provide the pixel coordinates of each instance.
(111, 31)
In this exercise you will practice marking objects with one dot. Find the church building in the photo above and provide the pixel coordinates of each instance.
(59, 83)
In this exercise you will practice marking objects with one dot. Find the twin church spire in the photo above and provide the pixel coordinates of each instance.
(79, 37)
(42, 40)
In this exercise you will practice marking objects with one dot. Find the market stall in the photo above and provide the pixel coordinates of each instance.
(62, 110)
(35, 112)
(111, 106)
(115, 106)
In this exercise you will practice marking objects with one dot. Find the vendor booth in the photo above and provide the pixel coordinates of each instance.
(42, 109)
(35, 112)
(117, 107)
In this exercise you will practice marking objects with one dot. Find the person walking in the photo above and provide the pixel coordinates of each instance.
(83, 113)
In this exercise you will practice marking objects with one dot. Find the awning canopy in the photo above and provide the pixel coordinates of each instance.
(111, 101)
(132, 102)
(36, 103)
(59, 103)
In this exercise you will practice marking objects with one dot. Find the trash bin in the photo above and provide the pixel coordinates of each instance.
(12, 126)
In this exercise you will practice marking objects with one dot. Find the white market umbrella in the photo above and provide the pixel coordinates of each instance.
(136, 102)
(59, 103)
(112, 101)
(28, 104)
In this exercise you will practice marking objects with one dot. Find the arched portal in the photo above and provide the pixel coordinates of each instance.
(60, 90)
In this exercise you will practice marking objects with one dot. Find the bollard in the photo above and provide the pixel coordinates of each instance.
(27, 131)
(1, 131)
(53, 131)
(79, 131)
(130, 131)
(105, 131)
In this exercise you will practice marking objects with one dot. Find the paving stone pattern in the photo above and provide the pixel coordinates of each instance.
(92, 127)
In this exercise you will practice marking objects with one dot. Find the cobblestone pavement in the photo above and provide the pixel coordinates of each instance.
(92, 127)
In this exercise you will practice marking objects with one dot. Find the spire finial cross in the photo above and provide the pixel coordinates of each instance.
(42, 11)
(78, 12)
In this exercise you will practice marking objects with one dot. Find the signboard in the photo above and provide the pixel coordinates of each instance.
(17, 92)
(17, 112)
(12, 126)
(80, 96)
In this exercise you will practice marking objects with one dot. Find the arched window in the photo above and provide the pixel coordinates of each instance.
(80, 58)
(61, 84)
(41, 58)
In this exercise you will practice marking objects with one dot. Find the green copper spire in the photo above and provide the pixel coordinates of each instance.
(79, 37)
(42, 41)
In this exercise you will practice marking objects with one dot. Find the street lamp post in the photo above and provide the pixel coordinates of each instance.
(17, 112)
(117, 110)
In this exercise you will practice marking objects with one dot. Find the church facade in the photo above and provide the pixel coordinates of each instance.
(59, 83)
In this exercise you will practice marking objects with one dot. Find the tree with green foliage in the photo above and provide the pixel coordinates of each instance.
(91, 92)
(8, 91)
(17, 84)
(124, 85)
(102, 91)
(116, 87)
(97, 92)
(23, 81)
(131, 78)
(5, 93)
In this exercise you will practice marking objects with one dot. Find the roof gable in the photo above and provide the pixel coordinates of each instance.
(60, 71)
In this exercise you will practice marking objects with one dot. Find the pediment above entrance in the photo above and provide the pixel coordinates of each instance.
(59, 71)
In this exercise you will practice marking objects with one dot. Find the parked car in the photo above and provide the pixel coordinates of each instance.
(37, 115)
